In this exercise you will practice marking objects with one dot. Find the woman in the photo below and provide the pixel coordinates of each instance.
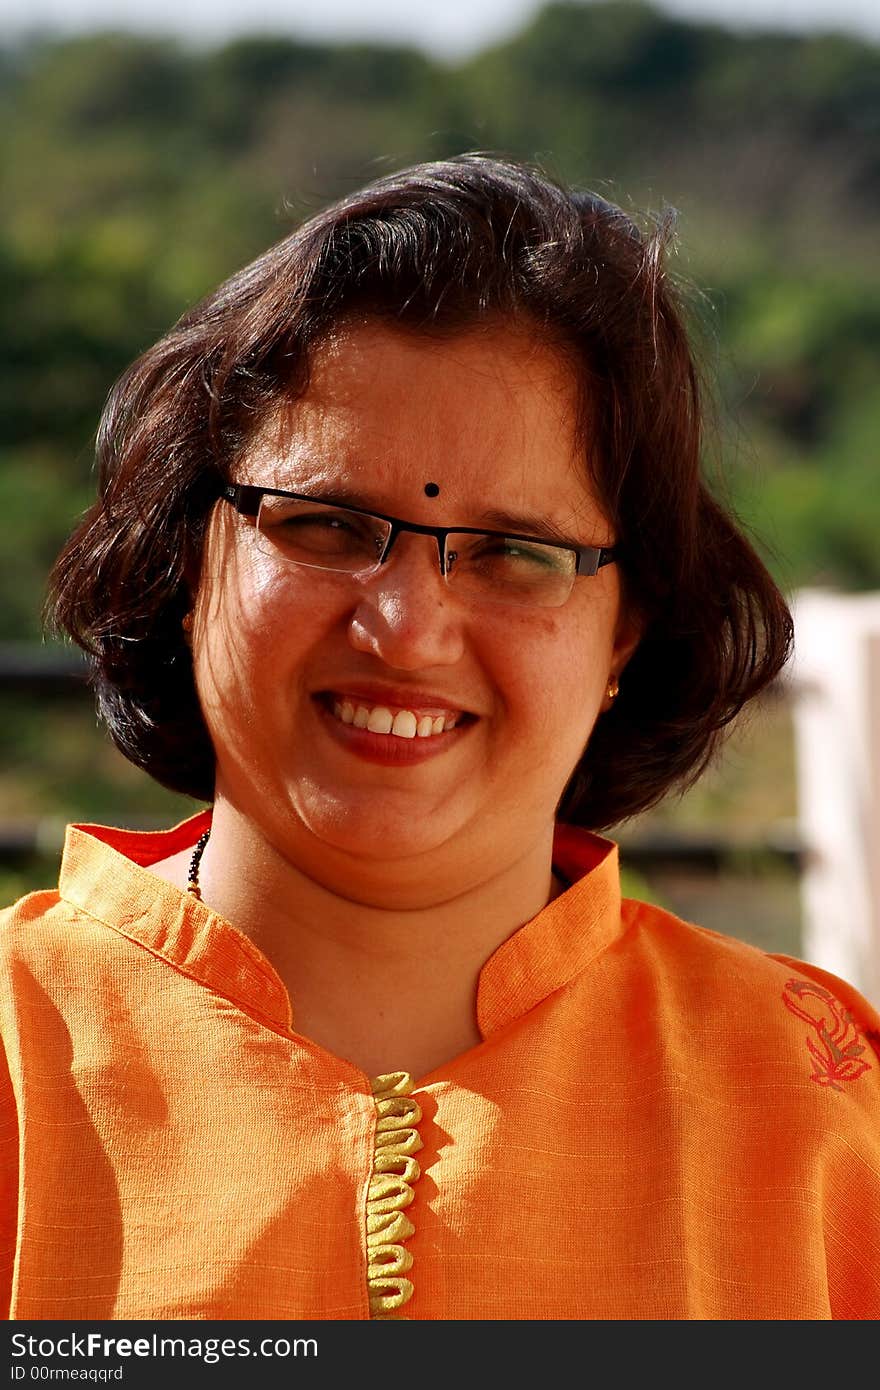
(402, 561)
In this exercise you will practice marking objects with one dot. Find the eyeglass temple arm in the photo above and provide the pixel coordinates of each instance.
(591, 560)
(244, 499)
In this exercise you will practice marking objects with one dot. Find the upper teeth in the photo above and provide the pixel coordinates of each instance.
(405, 723)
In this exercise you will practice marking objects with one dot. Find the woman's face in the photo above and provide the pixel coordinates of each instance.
(280, 651)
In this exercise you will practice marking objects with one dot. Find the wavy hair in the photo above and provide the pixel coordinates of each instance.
(437, 249)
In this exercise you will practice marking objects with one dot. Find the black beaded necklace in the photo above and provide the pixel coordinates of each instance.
(192, 882)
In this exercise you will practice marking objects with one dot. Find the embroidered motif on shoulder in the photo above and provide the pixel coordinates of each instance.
(837, 1050)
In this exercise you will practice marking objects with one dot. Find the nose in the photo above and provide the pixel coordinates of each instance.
(406, 615)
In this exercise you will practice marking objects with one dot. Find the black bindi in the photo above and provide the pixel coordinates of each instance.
(432, 490)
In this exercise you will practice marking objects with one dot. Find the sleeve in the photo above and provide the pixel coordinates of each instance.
(9, 1130)
(8, 1184)
(843, 1039)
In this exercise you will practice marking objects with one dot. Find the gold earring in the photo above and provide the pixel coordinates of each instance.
(613, 688)
(186, 622)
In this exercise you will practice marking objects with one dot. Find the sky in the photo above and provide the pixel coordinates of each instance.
(446, 28)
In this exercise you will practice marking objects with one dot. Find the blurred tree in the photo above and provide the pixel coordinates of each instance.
(137, 173)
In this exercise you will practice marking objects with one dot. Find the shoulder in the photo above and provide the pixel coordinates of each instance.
(32, 923)
(724, 965)
(108, 876)
(760, 1009)
(36, 946)
(727, 972)
(51, 952)
(21, 924)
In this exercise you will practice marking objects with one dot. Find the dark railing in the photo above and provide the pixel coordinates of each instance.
(27, 668)
(42, 671)
(22, 840)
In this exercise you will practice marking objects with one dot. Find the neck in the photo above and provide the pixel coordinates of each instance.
(388, 986)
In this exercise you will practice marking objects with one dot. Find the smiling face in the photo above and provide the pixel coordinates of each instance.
(290, 661)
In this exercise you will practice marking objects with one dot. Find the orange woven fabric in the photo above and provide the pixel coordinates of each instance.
(660, 1122)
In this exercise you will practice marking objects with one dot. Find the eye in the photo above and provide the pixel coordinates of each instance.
(316, 520)
(518, 555)
(520, 552)
(310, 533)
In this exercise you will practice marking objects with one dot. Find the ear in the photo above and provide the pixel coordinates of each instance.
(628, 634)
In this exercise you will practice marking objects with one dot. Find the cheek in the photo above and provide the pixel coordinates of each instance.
(556, 666)
(264, 619)
(550, 673)
(237, 647)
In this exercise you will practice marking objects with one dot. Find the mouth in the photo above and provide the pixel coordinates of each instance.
(411, 721)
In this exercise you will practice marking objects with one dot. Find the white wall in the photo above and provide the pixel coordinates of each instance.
(836, 710)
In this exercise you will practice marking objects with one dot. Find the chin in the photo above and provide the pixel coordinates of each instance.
(375, 827)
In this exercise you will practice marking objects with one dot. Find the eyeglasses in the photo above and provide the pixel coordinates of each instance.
(486, 566)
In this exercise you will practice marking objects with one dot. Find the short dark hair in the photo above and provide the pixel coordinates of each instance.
(438, 248)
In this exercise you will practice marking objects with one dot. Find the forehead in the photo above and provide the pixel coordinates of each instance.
(491, 415)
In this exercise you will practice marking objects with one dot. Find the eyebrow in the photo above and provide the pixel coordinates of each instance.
(494, 519)
(538, 526)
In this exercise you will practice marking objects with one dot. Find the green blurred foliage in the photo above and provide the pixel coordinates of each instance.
(137, 173)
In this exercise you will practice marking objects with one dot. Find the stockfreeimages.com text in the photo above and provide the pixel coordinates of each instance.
(207, 1349)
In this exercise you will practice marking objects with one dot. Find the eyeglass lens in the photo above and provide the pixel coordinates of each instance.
(487, 568)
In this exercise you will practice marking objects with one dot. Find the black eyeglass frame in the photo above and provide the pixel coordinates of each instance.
(246, 499)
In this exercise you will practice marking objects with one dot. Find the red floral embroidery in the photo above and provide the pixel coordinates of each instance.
(837, 1056)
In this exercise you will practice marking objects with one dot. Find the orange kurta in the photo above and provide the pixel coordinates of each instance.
(660, 1122)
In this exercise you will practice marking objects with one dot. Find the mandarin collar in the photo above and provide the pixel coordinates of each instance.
(105, 874)
(548, 951)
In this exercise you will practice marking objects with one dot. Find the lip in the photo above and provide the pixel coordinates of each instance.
(387, 749)
(394, 696)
